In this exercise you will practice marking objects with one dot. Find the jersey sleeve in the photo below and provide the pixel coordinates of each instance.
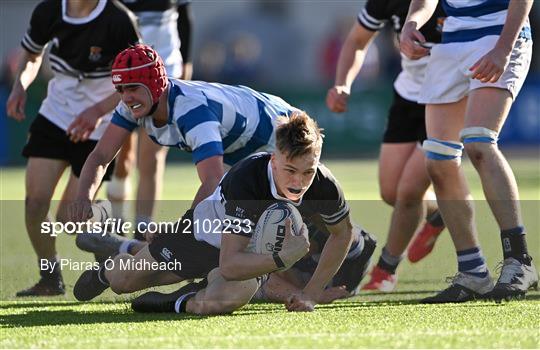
(122, 118)
(332, 207)
(38, 33)
(373, 16)
(200, 128)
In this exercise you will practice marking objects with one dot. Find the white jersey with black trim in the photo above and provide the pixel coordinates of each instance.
(377, 14)
(475, 19)
(81, 54)
(248, 189)
(210, 119)
(157, 21)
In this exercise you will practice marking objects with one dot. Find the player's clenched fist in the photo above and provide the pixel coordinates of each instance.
(295, 246)
(336, 99)
(16, 102)
(80, 210)
(410, 42)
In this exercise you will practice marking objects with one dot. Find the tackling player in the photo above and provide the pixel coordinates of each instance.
(403, 179)
(292, 174)
(166, 26)
(472, 78)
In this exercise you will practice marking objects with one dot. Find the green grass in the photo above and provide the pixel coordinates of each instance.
(368, 320)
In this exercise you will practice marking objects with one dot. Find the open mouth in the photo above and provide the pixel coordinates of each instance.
(136, 106)
(293, 190)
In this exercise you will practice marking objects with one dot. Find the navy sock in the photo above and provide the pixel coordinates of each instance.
(472, 262)
(388, 262)
(435, 219)
(513, 243)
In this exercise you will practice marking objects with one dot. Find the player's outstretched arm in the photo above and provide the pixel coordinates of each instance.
(419, 13)
(332, 257)
(94, 169)
(491, 66)
(27, 70)
(351, 59)
(210, 171)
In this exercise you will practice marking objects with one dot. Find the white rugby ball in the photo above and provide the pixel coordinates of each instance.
(270, 230)
(101, 211)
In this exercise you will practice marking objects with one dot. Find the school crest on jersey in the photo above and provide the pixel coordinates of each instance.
(95, 53)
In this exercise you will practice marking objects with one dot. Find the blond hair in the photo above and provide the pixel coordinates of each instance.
(298, 135)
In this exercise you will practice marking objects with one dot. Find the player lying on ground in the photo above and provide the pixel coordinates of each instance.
(403, 178)
(293, 175)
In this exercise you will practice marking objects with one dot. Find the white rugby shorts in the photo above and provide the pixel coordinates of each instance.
(448, 78)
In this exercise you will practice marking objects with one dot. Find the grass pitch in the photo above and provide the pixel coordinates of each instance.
(369, 320)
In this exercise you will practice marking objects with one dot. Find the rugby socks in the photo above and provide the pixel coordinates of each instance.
(181, 302)
(356, 246)
(514, 244)
(389, 262)
(435, 219)
(472, 262)
(101, 276)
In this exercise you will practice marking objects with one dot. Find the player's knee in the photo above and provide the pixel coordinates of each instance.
(388, 195)
(36, 205)
(479, 142)
(410, 193)
(443, 158)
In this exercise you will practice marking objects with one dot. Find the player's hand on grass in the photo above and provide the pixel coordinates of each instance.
(336, 99)
(300, 303)
(411, 40)
(85, 123)
(490, 67)
(295, 246)
(333, 293)
(16, 102)
(80, 210)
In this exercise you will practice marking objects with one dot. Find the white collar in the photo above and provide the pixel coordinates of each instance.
(95, 12)
(273, 188)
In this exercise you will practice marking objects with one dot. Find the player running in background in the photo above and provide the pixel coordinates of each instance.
(292, 174)
(85, 36)
(166, 26)
(403, 179)
(472, 78)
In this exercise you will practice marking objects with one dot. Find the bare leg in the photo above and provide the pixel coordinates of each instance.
(444, 122)
(42, 176)
(123, 280)
(221, 296)
(409, 208)
(489, 107)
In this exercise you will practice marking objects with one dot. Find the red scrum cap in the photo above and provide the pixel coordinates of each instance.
(140, 65)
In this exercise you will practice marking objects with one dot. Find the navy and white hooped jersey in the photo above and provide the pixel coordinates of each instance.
(475, 19)
(157, 21)
(81, 54)
(210, 119)
(377, 13)
(248, 189)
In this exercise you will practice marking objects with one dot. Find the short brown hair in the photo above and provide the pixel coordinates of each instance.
(298, 135)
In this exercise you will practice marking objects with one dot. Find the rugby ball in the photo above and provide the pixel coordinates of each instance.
(270, 229)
